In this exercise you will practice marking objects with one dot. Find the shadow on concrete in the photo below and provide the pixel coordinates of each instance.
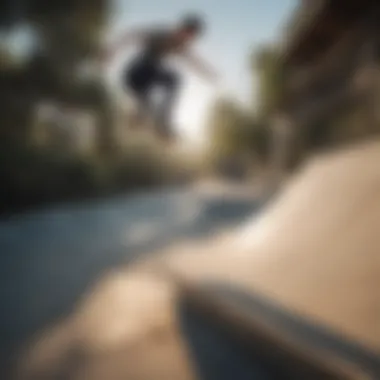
(221, 351)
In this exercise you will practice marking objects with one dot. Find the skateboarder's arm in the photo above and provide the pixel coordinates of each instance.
(200, 66)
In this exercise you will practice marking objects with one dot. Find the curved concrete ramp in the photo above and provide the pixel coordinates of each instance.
(301, 283)
(316, 250)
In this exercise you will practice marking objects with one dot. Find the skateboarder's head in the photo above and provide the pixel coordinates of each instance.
(191, 26)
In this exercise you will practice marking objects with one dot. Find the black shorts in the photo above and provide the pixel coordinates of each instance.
(143, 74)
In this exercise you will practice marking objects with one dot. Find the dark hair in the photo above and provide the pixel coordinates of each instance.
(193, 23)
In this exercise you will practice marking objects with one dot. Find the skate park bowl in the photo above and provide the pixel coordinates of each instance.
(295, 294)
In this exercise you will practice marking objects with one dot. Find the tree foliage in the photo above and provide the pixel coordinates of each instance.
(267, 67)
(228, 126)
(68, 35)
(238, 138)
(237, 131)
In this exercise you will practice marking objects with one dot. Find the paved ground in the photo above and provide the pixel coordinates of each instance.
(310, 264)
(314, 253)
(54, 262)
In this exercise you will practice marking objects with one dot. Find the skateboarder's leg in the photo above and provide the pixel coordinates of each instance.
(169, 80)
(139, 81)
(143, 107)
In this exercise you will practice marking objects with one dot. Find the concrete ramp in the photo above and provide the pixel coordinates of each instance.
(315, 252)
(296, 290)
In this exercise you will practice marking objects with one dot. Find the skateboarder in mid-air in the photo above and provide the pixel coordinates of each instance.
(148, 68)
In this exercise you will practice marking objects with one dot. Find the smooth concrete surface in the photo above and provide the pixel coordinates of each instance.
(310, 259)
(316, 249)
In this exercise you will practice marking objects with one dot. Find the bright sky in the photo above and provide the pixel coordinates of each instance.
(235, 27)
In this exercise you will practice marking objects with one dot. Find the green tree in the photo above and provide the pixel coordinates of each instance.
(227, 127)
(237, 131)
(267, 67)
(68, 35)
(236, 134)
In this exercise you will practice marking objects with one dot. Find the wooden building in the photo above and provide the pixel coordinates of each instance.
(331, 75)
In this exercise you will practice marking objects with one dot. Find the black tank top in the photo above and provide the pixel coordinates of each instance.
(160, 43)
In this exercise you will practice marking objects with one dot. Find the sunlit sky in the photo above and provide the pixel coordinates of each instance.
(235, 28)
